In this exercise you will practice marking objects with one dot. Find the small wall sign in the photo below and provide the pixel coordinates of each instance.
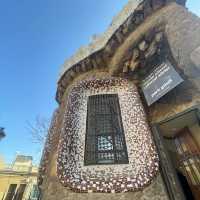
(159, 82)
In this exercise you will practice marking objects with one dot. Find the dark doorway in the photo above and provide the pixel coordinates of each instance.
(182, 142)
(184, 184)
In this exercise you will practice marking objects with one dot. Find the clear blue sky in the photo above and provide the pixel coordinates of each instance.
(35, 38)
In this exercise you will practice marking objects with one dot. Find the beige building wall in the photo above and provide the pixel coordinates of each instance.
(2, 163)
(18, 173)
(7, 179)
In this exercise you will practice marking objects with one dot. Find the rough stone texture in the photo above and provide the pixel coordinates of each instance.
(48, 147)
(178, 25)
(54, 190)
(178, 100)
(183, 34)
(100, 41)
(100, 58)
(195, 57)
(117, 49)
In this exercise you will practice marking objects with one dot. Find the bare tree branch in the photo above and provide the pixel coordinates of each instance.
(38, 129)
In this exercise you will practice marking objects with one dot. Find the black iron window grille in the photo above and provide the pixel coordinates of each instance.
(105, 140)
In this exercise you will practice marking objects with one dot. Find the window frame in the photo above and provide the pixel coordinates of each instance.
(113, 134)
(10, 194)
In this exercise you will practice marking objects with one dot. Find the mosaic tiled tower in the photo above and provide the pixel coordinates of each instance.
(101, 143)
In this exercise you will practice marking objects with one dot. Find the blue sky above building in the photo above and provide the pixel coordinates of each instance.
(36, 38)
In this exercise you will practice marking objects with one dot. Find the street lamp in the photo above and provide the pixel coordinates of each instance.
(2, 133)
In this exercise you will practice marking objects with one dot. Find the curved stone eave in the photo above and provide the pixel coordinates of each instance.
(154, 22)
(100, 42)
(133, 19)
(123, 17)
(112, 54)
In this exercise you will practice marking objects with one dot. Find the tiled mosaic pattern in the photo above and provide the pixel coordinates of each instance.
(143, 159)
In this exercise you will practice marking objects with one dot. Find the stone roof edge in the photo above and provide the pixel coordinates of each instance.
(99, 58)
(100, 42)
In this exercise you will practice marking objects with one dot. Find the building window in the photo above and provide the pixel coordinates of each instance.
(105, 141)
(11, 192)
(34, 195)
(20, 192)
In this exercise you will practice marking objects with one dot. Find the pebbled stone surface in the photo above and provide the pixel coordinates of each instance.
(155, 191)
(195, 57)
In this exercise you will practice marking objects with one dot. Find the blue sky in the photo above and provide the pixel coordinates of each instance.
(36, 37)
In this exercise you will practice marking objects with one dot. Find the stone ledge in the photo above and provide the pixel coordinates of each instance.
(98, 58)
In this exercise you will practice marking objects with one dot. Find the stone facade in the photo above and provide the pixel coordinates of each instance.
(151, 181)
(54, 190)
(145, 33)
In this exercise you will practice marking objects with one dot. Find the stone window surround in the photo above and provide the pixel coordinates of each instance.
(106, 178)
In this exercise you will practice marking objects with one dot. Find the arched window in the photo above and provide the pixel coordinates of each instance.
(105, 141)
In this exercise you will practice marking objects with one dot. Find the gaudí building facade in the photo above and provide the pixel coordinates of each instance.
(128, 122)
